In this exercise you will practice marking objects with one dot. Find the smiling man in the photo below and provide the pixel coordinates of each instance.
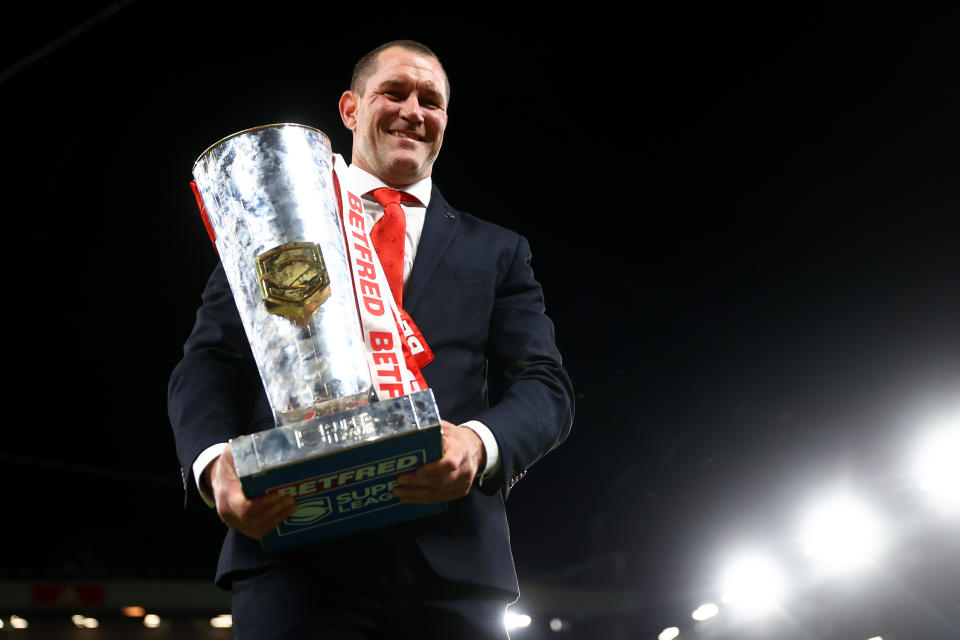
(496, 374)
(397, 110)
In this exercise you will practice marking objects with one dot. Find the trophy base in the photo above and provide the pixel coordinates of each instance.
(341, 468)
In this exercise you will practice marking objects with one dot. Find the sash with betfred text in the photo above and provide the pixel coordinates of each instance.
(396, 350)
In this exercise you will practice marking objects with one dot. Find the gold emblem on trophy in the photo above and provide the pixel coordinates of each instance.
(293, 279)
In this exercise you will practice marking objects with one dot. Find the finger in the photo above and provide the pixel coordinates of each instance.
(456, 484)
(437, 467)
(272, 509)
(429, 481)
(422, 480)
(269, 500)
(257, 525)
(243, 510)
(273, 518)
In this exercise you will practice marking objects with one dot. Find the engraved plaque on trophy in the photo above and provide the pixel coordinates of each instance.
(269, 199)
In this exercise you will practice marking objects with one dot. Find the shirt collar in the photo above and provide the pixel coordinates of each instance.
(364, 183)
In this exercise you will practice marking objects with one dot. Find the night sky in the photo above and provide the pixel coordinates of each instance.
(745, 223)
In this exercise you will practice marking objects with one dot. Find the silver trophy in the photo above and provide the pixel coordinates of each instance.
(269, 198)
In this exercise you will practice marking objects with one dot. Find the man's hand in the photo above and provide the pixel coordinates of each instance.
(452, 475)
(253, 518)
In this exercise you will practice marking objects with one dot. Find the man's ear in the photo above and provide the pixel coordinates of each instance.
(348, 110)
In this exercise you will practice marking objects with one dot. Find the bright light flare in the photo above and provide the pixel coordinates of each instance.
(669, 633)
(151, 621)
(753, 583)
(134, 612)
(18, 623)
(705, 612)
(222, 621)
(516, 620)
(83, 622)
(938, 468)
(842, 533)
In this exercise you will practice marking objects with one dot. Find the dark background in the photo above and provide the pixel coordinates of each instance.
(745, 223)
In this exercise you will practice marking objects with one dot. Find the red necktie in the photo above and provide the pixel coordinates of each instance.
(389, 237)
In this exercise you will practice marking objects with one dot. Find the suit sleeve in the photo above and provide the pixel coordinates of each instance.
(211, 390)
(532, 401)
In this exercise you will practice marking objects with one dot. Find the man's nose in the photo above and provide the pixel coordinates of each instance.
(411, 110)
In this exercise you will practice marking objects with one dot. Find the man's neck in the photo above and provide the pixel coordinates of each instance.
(364, 182)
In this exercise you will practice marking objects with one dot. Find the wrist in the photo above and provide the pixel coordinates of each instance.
(206, 477)
(479, 452)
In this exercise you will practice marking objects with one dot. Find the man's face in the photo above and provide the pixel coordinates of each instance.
(399, 120)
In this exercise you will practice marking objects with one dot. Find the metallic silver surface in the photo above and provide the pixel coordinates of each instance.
(273, 448)
(267, 187)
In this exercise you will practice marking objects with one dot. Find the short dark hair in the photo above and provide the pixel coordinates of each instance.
(367, 65)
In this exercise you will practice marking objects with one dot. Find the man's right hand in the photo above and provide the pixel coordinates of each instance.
(253, 518)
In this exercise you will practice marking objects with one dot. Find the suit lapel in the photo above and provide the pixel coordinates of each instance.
(439, 226)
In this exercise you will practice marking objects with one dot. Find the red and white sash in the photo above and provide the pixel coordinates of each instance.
(396, 351)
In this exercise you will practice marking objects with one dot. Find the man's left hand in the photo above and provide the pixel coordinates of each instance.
(452, 475)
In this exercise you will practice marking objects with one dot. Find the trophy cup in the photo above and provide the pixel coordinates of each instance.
(269, 202)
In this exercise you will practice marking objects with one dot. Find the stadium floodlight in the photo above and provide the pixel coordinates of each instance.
(938, 467)
(513, 620)
(705, 612)
(669, 633)
(752, 583)
(842, 533)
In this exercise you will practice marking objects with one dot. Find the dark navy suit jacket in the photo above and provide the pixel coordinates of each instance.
(474, 297)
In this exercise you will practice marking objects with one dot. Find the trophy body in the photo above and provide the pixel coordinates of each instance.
(269, 198)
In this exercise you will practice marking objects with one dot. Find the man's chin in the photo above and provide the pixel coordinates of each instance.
(404, 170)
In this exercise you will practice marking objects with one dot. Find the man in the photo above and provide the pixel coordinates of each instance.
(496, 375)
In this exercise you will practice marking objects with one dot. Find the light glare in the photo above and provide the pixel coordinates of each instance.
(705, 612)
(842, 533)
(134, 612)
(752, 582)
(151, 621)
(516, 620)
(222, 621)
(938, 466)
(18, 623)
(669, 633)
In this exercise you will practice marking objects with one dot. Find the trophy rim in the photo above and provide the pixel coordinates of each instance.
(251, 129)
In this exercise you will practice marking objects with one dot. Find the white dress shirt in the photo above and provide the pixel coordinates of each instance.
(364, 183)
